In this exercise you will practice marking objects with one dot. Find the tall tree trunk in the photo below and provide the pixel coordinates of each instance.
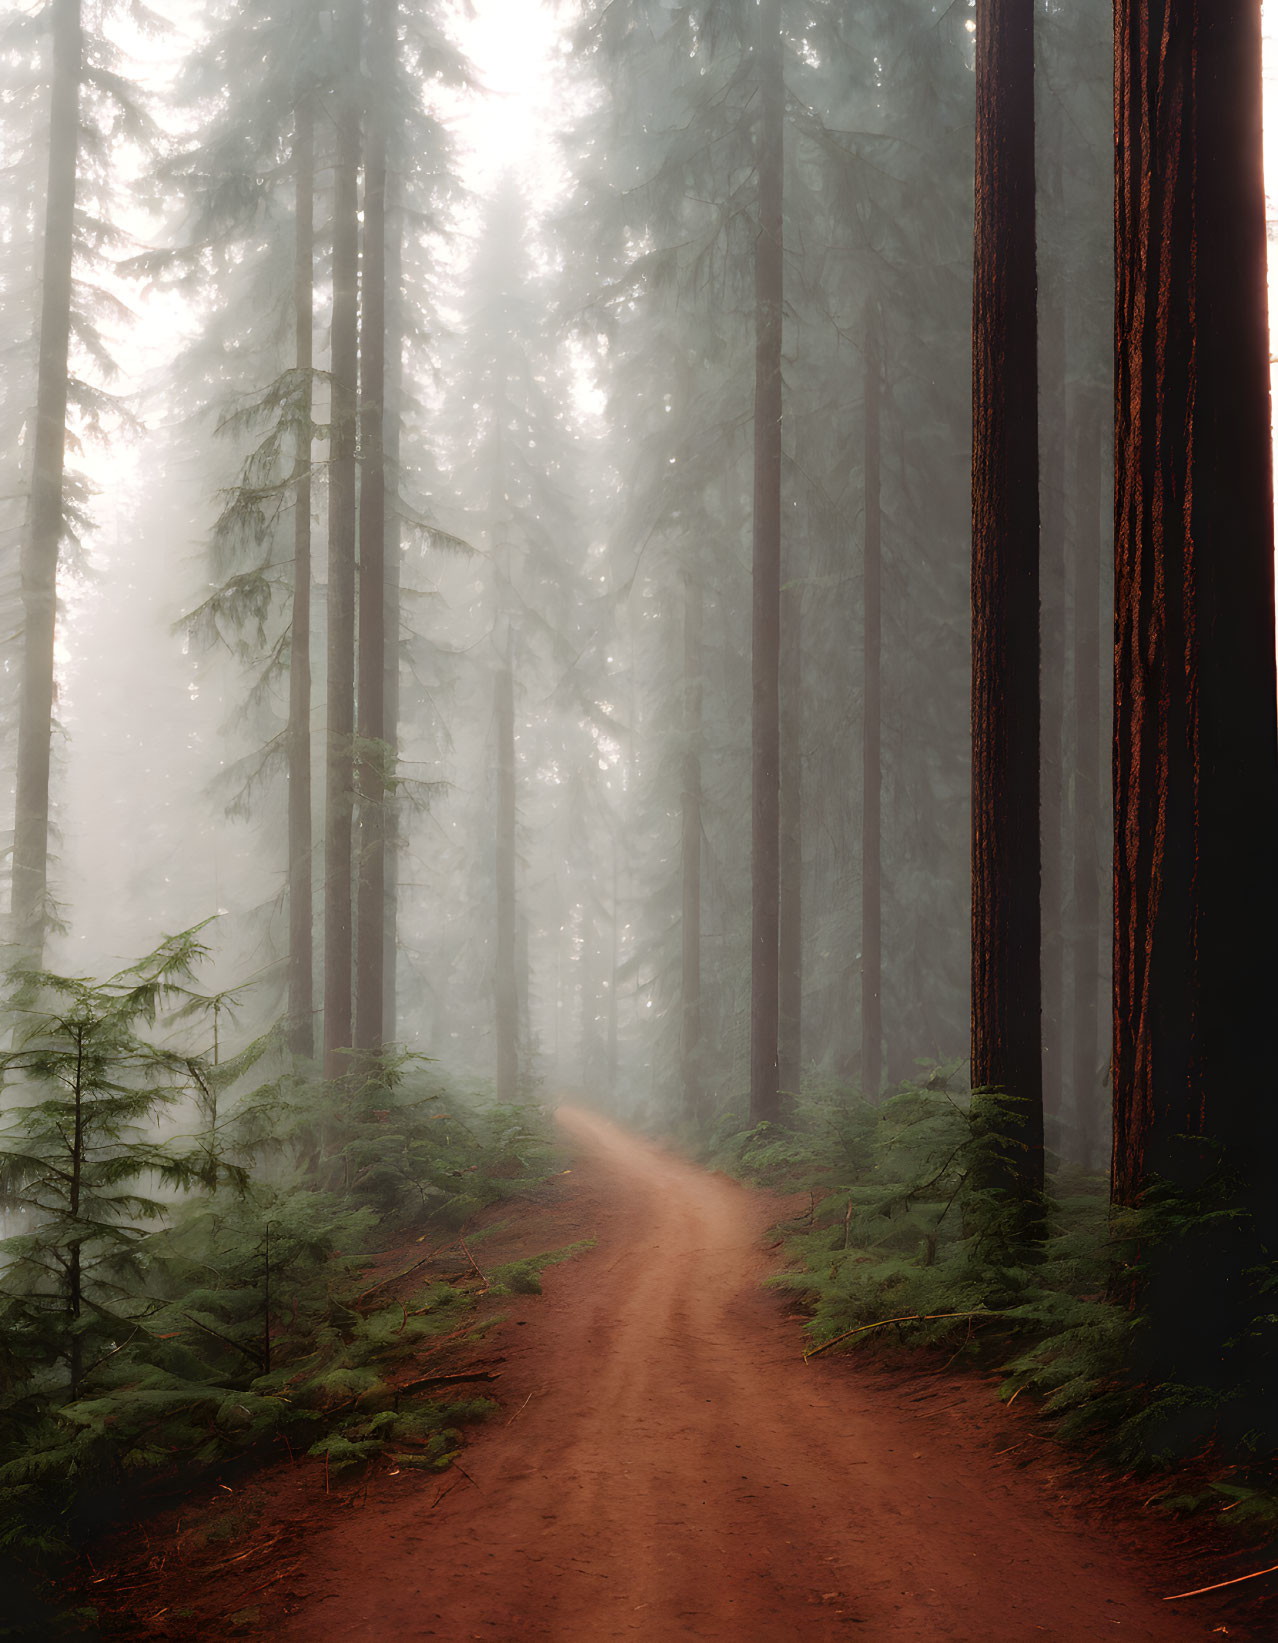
(39, 570)
(1195, 748)
(790, 878)
(506, 981)
(872, 729)
(339, 760)
(1006, 1053)
(372, 776)
(1085, 1049)
(614, 967)
(765, 1092)
(690, 852)
(391, 446)
(1052, 624)
(301, 935)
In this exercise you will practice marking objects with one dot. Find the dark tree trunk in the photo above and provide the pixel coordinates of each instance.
(301, 936)
(1195, 771)
(790, 927)
(690, 986)
(372, 775)
(1052, 447)
(1006, 1052)
(872, 729)
(339, 760)
(39, 569)
(506, 981)
(765, 1095)
(1085, 1050)
(391, 446)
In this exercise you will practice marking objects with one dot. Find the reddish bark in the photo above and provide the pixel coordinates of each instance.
(1006, 922)
(1195, 764)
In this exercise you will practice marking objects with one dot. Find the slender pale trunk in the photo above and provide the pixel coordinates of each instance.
(339, 761)
(372, 776)
(1052, 448)
(391, 447)
(690, 852)
(872, 728)
(1085, 1047)
(790, 927)
(614, 965)
(301, 949)
(39, 570)
(1006, 921)
(765, 1089)
(506, 981)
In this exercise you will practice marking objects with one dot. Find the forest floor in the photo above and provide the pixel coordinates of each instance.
(665, 1466)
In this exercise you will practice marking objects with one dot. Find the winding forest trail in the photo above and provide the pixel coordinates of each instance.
(669, 1468)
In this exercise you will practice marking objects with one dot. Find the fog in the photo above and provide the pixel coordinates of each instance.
(572, 341)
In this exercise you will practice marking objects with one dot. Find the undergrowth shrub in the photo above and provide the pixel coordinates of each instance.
(908, 1242)
(187, 1280)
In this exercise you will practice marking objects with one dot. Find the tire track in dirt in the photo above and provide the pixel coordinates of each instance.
(671, 1469)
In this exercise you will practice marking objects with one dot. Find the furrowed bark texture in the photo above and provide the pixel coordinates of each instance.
(506, 985)
(39, 568)
(1006, 923)
(765, 1099)
(372, 777)
(301, 949)
(871, 730)
(339, 760)
(690, 853)
(1195, 767)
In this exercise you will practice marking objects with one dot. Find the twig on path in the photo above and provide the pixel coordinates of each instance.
(522, 1407)
(908, 1318)
(1199, 1590)
(466, 1252)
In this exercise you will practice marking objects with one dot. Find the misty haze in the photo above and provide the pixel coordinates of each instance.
(639, 757)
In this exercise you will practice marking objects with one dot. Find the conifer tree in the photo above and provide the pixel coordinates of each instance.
(1006, 1053)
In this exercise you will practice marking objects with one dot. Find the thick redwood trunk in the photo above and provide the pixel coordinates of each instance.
(1195, 772)
(339, 759)
(690, 852)
(301, 948)
(1006, 1054)
(871, 729)
(39, 569)
(372, 776)
(1085, 1076)
(506, 985)
(765, 1098)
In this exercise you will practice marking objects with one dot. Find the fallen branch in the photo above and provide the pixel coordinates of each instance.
(446, 1380)
(1199, 1590)
(908, 1318)
(395, 1276)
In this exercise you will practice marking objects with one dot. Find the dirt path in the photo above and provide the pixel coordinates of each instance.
(671, 1469)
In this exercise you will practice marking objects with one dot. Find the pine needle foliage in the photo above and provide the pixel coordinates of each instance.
(911, 1240)
(187, 1282)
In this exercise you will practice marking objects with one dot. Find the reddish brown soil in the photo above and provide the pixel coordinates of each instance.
(667, 1467)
